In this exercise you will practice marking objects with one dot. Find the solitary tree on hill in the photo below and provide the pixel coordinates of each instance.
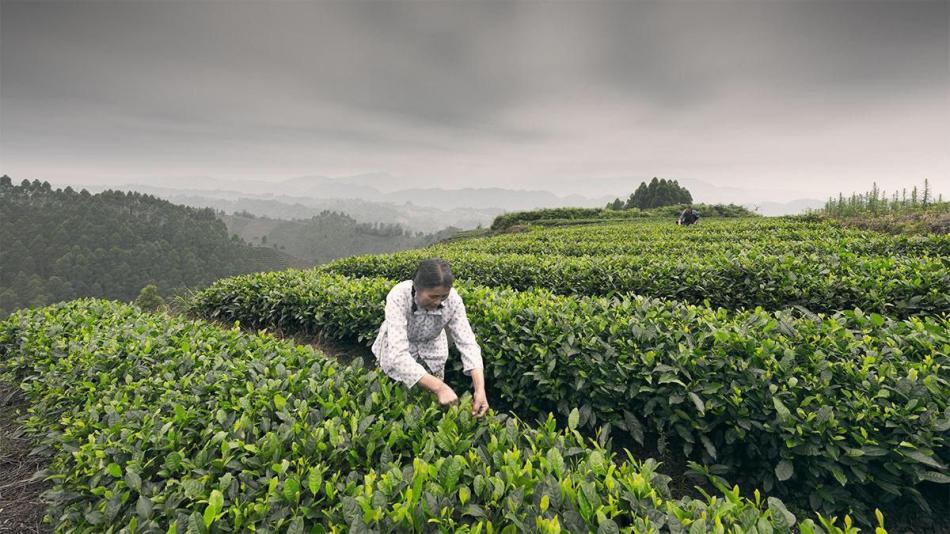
(659, 192)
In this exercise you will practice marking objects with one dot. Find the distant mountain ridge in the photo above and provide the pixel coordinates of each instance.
(375, 188)
(390, 194)
(493, 197)
(411, 216)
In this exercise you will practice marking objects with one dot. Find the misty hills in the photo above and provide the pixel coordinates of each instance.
(493, 197)
(375, 198)
(327, 236)
(62, 244)
(411, 216)
(415, 204)
(410, 201)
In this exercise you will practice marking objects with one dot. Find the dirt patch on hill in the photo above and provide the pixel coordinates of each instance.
(21, 473)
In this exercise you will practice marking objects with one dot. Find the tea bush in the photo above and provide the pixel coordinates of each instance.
(899, 286)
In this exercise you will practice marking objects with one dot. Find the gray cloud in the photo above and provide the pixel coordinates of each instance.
(827, 94)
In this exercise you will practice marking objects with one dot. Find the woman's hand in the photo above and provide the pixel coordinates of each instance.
(446, 395)
(479, 399)
(479, 403)
(440, 389)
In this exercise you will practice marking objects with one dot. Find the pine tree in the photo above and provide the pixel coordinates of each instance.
(658, 193)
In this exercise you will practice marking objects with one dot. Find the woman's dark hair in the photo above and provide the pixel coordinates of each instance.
(433, 272)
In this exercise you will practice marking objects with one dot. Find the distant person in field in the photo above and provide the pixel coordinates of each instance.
(412, 346)
(688, 217)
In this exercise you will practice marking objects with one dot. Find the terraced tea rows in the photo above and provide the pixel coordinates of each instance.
(710, 238)
(853, 407)
(899, 286)
(164, 425)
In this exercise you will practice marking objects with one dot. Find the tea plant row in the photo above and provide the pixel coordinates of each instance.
(899, 286)
(849, 409)
(158, 424)
(650, 238)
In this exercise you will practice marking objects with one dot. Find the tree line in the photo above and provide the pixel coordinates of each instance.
(656, 194)
(60, 244)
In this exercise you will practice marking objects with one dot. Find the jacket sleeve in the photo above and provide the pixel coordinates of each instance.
(464, 337)
(395, 359)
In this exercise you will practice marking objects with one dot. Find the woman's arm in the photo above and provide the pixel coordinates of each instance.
(442, 391)
(464, 337)
(478, 380)
(395, 359)
(472, 364)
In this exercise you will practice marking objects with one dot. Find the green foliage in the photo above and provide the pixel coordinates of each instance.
(161, 424)
(657, 194)
(508, 220)
(60, 244)
(849, 408)
(878, 202)
(327, 236)
(156, 421)
(770, 263)
(658, 240)
(573, 216)
(149, 299)
(900, 286)
(917, 212)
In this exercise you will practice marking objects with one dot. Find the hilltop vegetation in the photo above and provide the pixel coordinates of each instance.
(60, 244)
(917, 211)
(575, 216)
(659, 193)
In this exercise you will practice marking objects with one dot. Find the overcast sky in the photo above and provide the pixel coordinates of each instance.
(811, 96)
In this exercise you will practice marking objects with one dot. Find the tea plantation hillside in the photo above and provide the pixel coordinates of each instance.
(159, 424)
(735, 264)
(803, 358)
(808, 362)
